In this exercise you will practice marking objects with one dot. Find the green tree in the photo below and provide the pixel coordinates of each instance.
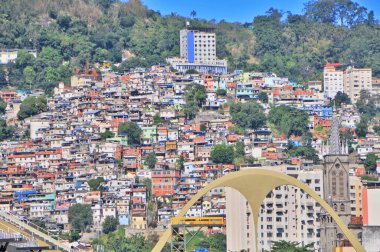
(106, 134)
(50, 56)
(80, 216)
(222, 153)
(151, 160)
(132, 130)
(95, 183)
(195, 93)
(263, 97)
(247, 115)
(110, 224)
(339, 99)
(203, 127)
(288, 120)
(52, 75)
(239, 149)
(29, 74)
(40, 222)
(31, 106)
(238, 161)
(369, 178)
(285, 246)
(24, 59)
(221, 92)
(217, 242)
(157, 118)
(303, 151)
(366, 105)
(6, 132)
(3, 106)
(148, 184)
(191, 71)
(362, 127)
(180, 162)
(64, 22)
(370, 162)
(195, 96)
(74, 236)
(377, 129)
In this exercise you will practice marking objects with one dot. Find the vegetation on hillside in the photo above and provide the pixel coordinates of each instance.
(68, 34)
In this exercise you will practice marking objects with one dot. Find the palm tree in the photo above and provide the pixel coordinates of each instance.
(193, 14)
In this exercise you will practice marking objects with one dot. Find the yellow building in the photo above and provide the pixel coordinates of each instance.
(139, 222)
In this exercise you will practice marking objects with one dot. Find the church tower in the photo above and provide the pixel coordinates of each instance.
(336, 188)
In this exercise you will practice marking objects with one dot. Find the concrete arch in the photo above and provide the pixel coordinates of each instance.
(254, 185)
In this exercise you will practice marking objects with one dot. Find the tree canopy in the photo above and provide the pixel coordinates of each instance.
(3, 106)
(32, 106)
(195, 96)
(151, 160)
(370, 162)
(263, 97)
(6, 132)
(247, 115)
(340, 98)
(222, 153)
(292, 45)
(117, 241)
(106, 134)
(288, 120)
(95, 183)
(362, 126)
(80, 216)
(132, 130)
(285, 246)
(110, 224)
(307, 152)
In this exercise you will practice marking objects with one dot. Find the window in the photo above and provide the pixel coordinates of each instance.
(333, 183)
(341, 184)
(342, 208)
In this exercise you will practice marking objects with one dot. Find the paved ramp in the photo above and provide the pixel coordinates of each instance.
(13, 225)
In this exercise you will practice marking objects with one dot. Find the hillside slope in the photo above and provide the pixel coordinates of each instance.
(75, 31)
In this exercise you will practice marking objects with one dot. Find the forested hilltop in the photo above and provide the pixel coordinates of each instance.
(67, 33)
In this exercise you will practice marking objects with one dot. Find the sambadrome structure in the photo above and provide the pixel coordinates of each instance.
(254, 185)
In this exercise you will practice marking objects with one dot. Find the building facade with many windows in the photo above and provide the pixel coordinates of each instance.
(198, 52)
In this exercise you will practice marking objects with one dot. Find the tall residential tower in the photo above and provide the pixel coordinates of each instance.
(198, 52)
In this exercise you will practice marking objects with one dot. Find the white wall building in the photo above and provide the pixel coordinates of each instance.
(333, 80)
(286, 214)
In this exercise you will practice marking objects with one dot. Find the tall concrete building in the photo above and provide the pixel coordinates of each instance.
(350, 81)
(198, 52)
(198, 45)
(333, 80)
(336, 189)
(356, 80)
(286, 214)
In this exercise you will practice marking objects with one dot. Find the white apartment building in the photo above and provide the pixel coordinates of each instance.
(332, 80)
(10, 55)
(350, 81)
(286, 214)
(356, 80)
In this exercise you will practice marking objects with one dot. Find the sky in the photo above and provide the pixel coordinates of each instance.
(237, 10)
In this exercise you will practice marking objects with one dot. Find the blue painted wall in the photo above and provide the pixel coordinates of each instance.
(190, 47)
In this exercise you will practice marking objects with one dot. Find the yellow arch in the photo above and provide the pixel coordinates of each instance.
(254, 185)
